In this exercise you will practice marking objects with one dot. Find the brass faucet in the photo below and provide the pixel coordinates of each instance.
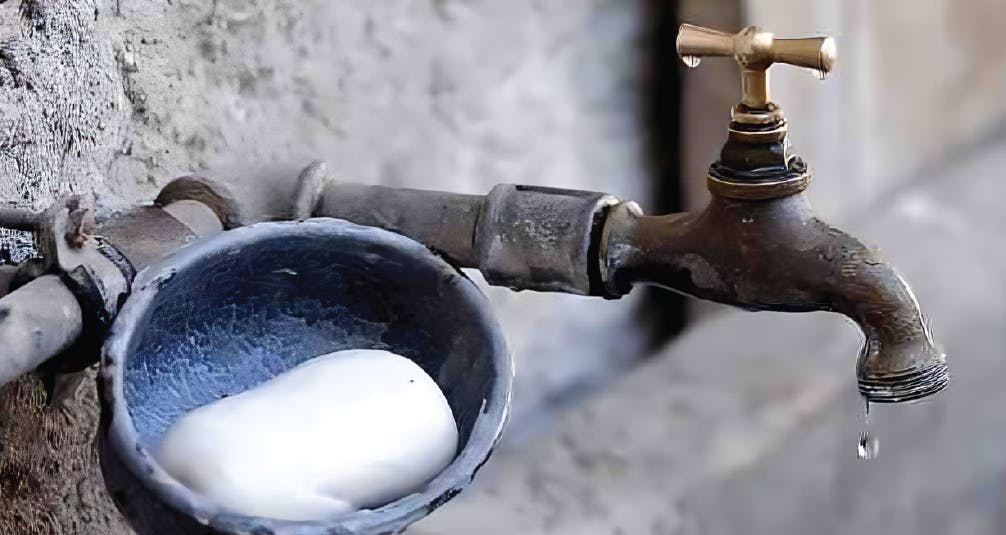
(758, 245)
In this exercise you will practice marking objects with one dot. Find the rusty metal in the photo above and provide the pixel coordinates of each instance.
(212, 194)
(91, 276)
(442, 221)
(521, 237)
(89, 268)
(145, 234)
(777, 255)
(79, 224)
(768, 254)
(69, 297)
(755, 252)
(758, 245)
(542, 239)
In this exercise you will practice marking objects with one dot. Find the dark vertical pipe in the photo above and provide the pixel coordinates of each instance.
(662, 312)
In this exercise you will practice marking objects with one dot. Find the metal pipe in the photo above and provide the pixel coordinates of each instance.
(442, 221)
(45, 316)
(777, 255)
(521, 237)
(37, 321)
(758, 245)
(145, 234)
(198, 217)
(20, 219)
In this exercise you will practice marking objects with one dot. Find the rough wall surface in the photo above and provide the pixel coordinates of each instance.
(863, 130)
(118, 97)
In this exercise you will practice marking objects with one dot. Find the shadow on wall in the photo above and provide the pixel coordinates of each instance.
(661, 313)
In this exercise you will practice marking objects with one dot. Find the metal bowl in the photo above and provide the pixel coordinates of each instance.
(226, 313)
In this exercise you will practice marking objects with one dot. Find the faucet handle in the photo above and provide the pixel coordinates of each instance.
(755, 51)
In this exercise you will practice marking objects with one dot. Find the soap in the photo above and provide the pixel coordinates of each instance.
(340, 432)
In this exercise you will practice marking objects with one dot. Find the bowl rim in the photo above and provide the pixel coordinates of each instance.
(124, 440)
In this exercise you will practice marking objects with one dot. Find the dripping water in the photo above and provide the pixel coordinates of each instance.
(691, 61)
(820, 74)
(869, 446)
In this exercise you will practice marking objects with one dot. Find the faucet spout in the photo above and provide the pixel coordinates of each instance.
(778, 255)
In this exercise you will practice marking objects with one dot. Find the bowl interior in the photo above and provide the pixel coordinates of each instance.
(284, 293)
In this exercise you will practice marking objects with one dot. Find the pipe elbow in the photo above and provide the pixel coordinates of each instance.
(899, 360)
(777, 255)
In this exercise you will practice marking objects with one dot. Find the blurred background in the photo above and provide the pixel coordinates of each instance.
(648, 415)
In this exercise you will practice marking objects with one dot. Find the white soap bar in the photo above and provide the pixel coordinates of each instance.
(347, 430)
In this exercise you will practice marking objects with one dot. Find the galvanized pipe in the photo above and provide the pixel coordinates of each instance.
(196, 216)
(44, 317)
(521, 237)
(20, 219)
(37, 321)
(444, 222)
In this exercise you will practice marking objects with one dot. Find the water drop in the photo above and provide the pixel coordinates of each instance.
(691, 61)
(819, 74)
(869, 446)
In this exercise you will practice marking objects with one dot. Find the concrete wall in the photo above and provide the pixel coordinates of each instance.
(916, 84)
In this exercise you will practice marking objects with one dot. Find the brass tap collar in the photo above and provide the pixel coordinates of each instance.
(771, 115)
(758, 191)
(755, 164)
(772, 133)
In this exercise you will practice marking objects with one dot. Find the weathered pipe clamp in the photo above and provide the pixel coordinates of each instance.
(68, 297)
(758, 245)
